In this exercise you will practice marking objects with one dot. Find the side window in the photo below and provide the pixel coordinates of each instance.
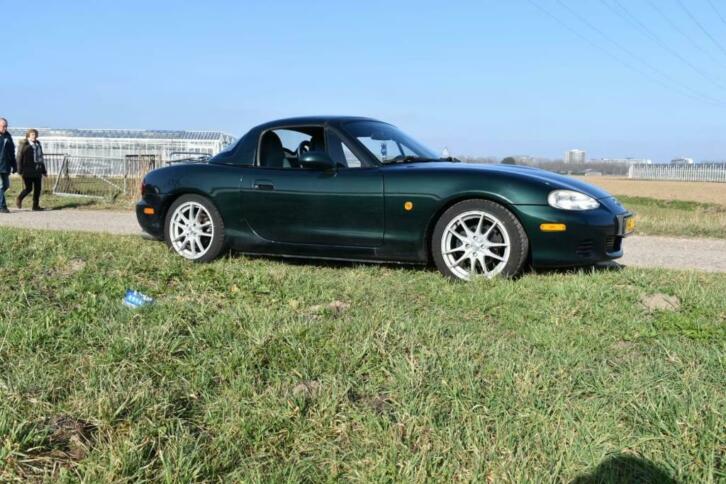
(279, 148)
(291, 138)
(340, 153)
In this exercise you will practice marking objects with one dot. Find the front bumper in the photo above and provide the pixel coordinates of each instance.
(152, 224)
(591, 236)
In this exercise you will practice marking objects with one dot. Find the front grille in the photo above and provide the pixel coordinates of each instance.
(610, 243)
(584, 248)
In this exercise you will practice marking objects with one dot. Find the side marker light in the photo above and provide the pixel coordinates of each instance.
(553, 227)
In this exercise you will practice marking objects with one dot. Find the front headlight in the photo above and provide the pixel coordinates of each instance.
(571, 200)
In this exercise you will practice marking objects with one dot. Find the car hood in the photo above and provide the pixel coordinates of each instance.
(551, 180)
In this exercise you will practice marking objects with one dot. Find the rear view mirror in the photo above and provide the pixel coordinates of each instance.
(316, 160)
(380, 136)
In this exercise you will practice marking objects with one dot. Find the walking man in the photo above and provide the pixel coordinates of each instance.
(7, 162)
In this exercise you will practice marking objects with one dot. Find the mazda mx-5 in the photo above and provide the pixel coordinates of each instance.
(358, 189)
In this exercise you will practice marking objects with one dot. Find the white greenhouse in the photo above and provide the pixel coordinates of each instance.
(160, 145)
(105, 162)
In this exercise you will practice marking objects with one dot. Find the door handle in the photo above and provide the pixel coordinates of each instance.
(264, 186)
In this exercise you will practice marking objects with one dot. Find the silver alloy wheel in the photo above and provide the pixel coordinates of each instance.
(191, 230)
(475, 243)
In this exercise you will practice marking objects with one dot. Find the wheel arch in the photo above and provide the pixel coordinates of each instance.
(448, 203)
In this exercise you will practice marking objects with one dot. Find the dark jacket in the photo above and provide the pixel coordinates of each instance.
(27, 166)
(7, 153)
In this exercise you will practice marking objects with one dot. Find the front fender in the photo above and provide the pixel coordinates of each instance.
(407, 232)
(219, 183)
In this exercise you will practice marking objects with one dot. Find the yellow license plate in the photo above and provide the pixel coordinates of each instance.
(629, 225)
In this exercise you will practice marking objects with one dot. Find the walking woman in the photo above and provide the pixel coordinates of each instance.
(31, 167)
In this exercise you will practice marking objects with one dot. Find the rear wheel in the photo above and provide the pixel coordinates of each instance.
(479, 238)
(194, 228)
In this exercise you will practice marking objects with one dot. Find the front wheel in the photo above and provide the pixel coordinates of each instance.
(479, 238)
(194, 228)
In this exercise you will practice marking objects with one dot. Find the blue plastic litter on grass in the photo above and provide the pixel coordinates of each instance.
(134, 299)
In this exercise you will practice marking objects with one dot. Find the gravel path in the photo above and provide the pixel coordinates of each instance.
(121, 222)
(640, 251)
(675, 253)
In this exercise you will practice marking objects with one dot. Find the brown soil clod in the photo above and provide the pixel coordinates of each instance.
(335, 308)
(307, 389)
(380, 404)
(73, 266)
(660, 302)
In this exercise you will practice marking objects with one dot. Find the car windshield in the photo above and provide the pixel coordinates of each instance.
(387, 143)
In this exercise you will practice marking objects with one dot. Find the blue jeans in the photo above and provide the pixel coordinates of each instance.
(4, 185)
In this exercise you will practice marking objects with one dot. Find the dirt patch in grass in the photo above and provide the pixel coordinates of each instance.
(70, 436)
(622, 345)
(68, 442)
(381, 403)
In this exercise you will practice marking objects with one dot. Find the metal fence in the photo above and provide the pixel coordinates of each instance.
(95, 176)
(708, 172)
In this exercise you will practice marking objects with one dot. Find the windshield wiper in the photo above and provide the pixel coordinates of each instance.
(407, 159)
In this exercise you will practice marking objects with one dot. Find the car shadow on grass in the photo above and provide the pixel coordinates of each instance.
(331, 263)
(609, 266)
(430, 267)
(626, 469)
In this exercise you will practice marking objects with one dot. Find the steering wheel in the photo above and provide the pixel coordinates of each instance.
(396, 159)
(302, 148)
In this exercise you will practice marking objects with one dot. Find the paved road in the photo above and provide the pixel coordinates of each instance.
(640, 251)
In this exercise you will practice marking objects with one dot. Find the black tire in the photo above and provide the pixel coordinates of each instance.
(518, 241)
(217, 244)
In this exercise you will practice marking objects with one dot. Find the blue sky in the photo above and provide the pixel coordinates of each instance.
(481, 77)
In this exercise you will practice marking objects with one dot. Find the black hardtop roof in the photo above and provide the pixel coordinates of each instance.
(302, 120)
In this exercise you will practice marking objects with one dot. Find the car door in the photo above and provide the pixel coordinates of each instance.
(342, 207)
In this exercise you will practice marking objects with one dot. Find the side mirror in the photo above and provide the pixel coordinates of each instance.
(316, 160)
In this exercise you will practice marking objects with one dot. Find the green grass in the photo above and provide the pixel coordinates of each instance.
(58, 202)
(677, 217)
(242, 372)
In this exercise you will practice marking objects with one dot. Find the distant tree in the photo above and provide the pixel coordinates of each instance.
(509, 160)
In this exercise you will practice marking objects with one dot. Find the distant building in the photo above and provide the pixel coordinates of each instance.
(682, 161)
(158, 146)
(575, 156)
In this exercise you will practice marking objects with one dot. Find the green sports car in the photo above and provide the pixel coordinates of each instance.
(358, 189)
